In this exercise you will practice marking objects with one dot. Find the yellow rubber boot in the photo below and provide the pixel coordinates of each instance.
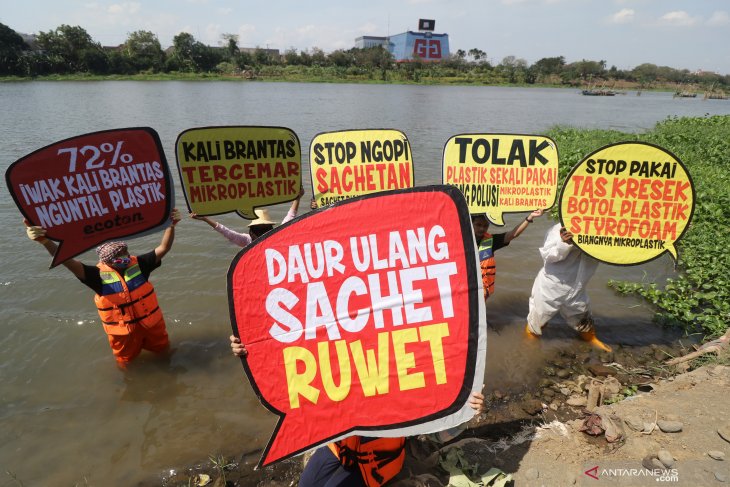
(590, 337)
(529, 334)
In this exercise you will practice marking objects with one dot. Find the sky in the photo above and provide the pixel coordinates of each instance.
(689, 34)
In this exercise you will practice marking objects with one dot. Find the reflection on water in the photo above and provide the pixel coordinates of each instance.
(68, 416)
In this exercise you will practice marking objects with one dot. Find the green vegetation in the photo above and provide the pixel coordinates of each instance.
(221, 465)
(69, 52)
(627, 391)
(698, 300)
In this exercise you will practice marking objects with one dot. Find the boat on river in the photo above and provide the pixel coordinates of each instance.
(598, 92)
(602, 91)
(685, 90)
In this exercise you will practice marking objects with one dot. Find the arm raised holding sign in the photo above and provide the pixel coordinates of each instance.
(256, 228)
(488, 244)
(517, 230)
(38, 234)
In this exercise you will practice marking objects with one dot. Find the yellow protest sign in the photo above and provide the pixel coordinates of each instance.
(502, 173)
(351, 163)
(627, 203)
(238, 168)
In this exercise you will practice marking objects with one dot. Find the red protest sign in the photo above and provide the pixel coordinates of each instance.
(363, 318)
(93, 187)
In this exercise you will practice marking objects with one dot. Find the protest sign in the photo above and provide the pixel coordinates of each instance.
(95, 187)
(627, 203)
(365, 317)
(238, 168)
(502, 173)
(357, 162)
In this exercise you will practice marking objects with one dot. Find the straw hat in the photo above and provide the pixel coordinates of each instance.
(263, 218)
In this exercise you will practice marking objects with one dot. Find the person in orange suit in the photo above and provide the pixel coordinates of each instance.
(125, 299)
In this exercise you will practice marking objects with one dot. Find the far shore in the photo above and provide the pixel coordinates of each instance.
(619, 87)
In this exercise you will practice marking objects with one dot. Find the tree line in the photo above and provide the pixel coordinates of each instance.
(71, 50)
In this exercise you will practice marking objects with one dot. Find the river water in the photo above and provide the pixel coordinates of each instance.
(68, 416)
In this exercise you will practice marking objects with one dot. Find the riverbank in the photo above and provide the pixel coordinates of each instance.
(619, 87)
(676, 433)
(524, 431)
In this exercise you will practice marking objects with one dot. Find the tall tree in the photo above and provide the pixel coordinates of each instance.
(11, 50)
(477, 54)
(588, 69)
(191, 55)
(230, 42)
(549, 65)
(342, 58)
(318, 57)
(547, 69)
(514, 68)
(182, 53)
(292, 57)
(73, 49)
(143, 50)
(262, 56)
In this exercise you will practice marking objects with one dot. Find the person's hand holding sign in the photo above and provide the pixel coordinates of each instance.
(175, 216)
(35, 232)
(238, 348)
(476, 402)
(535, 214)
(566, 236)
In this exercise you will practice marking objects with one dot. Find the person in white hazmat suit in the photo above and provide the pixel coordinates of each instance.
(560, 287)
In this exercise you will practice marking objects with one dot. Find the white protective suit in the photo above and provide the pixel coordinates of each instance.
(560, 286)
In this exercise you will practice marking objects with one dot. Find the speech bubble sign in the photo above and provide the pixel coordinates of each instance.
(353, 163)
(502, 173)
(238, 168)
(627, 203)
(94, 187)
(377, 328)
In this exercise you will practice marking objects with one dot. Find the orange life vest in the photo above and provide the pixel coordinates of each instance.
(126, 299)
(487, 263)
(379, 459)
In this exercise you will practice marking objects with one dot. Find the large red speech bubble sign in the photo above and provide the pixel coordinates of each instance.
(363, 318)
(94, 187)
